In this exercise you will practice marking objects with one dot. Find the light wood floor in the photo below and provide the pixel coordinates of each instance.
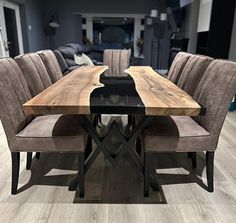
(116, 195)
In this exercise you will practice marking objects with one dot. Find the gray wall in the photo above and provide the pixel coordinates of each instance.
(70, 24)
(31, 15)
(36, 37)
(103, 6)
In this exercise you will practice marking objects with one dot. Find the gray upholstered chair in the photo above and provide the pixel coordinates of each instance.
(35, 72)
(185, 134)
(177, 66)
(50, 61)
(193, 72)
(118, 61)
(25, 133)
(63, 65)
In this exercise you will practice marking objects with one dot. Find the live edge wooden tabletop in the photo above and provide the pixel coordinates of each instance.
(71, 94)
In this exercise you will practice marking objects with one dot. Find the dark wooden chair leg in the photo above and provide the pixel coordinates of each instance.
(88, 148)
(37, 155)
(139, 146)
(95, 121)
(193, 157)
(210, 170)
(29, 160)
(15, 156)
(146, 174)
(189, 155)
(131, 121)
(81, 174)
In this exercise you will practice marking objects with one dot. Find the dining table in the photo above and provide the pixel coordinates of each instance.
(88, 91)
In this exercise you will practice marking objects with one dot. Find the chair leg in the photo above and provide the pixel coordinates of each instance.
(99, 118)
(189, 155)
(138, 146)
(29, 160)
(210, 170)
(146, 174)
(88, 148)
(15, 156)
(193, 157)
(81, 174)
(37, 155)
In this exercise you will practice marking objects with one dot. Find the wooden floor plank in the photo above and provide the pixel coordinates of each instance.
(116, 195)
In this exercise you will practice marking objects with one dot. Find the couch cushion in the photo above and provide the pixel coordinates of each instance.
(67, 52)
(83, 60)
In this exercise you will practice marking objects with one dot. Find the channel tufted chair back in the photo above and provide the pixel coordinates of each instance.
(193, 72)
(177, 66)
(14, 93)
(50, 61)
(34, 72)
(118, 61)
(186, 134)
(215, 92)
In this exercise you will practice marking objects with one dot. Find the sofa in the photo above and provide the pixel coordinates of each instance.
(65, 55)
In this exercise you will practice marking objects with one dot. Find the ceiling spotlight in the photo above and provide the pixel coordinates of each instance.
(125, 19)
(101, 22)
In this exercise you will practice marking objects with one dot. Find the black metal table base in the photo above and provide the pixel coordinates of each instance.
(128, 137)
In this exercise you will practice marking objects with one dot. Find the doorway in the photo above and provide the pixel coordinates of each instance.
(93, 26)
(10, 30)
(114, 33)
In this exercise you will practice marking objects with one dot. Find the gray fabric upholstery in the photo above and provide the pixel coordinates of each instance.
(61, 61)
(193, 72)
(34, 72)
(13, 93)
(51, 126)
(117, 60)
(215, 92)
(172, 133)
(50, 61)
(61, 133)
(177, 66)
(53, 133)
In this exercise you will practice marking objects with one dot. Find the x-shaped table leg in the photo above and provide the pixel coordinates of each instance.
(127, 141)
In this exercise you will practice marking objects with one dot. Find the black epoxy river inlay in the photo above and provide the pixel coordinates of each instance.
(118, 96)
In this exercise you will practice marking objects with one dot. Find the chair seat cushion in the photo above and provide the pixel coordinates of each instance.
(52, 133)
(52, 126)
(175, 133)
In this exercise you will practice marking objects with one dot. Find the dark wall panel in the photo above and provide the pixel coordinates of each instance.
(219, 36)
